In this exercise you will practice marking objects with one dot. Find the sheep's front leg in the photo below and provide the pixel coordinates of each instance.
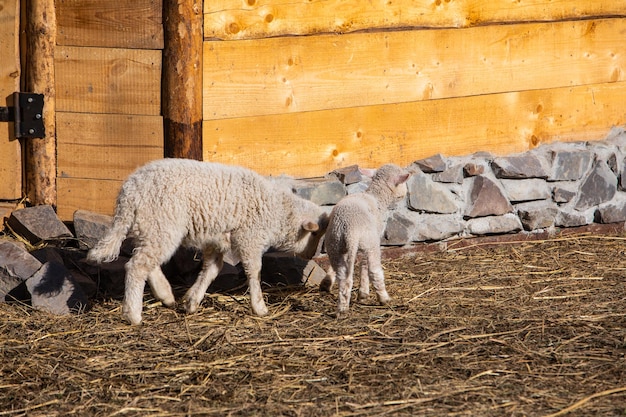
(211, 266)
(252, 268)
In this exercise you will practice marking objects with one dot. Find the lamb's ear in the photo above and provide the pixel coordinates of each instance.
(310, 226)
(402, 178)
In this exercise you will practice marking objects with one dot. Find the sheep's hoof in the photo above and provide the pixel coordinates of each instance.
(169, 303)
(384, 299)
(191, 307)
(261, 312)
(326, 284)
(134, 319)
(363, 297)
(343, 314)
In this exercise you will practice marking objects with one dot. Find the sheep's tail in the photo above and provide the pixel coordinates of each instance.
(108, 248)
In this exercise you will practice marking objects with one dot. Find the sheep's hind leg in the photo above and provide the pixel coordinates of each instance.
(364, 287)
(211, 266)
(345, 279)
(137, 270)
(160, 287)
(377, 277)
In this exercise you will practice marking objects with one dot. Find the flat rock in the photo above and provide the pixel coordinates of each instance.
(451, 175)
(537, 216)
(397, 230)
(54, 290)
(563, 193)
(599, 186)
(322, 191)
(434, 227)
(435, 163)
(429, 196)
(348, 175)
(526, 190)
(472, 169)
(568, 217)
(507, 223)
(526, 165)
(90, 227)
(612, 212)
(37, 224)
(570, 165)
(16, 266)
(486, 199)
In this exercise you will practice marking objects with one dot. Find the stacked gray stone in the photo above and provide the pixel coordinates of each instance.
(558, 185)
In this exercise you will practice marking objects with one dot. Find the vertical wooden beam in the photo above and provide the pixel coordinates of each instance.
(40, 154)
(182, 78)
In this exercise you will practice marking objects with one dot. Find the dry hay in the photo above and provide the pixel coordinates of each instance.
(536, 328)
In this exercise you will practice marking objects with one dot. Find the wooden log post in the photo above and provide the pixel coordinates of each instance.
(40, 153)
(182, 78)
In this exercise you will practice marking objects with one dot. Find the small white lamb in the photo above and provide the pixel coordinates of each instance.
(212, 207)
(356, 225)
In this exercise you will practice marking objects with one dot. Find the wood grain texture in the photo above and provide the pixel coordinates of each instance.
(10, 150)
(40, 154)
(86, 194)
(106, 146)
(136, 24)
(108, 80)
(288, 75)
(250, 19)
(182, 79)
(313, 143)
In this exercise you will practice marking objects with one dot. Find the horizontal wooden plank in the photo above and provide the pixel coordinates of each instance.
(237, 19)
(10, 150)
(108, 80)
(314, 143)
(283, 75)
(136, 24)
(106, 146)
(86, 194)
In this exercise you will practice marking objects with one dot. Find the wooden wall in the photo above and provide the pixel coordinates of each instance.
(108, 86)
(10, 70)
(304, 87)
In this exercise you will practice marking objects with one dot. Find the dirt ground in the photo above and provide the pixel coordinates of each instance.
(517, 329)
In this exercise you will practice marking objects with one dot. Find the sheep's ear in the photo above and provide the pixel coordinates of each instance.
(402, 178)
(310, 226)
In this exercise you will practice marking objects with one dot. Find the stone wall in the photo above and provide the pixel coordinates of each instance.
(558, 185)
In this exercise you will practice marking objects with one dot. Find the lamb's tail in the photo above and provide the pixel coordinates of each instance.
(108, 248)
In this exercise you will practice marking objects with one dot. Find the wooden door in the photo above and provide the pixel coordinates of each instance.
(10, 150)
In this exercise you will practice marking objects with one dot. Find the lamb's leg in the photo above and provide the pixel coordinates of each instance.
(252, 268)
(328, 281)
(160, 287)
(364, 288)
(345, 279)
(211, 266)
(137, 270)
(377, 276)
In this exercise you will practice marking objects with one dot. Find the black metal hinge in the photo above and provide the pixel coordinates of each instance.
(26, 114)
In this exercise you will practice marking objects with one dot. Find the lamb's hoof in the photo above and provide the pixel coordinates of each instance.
(363, 297)
(134, 319)
(384, 299)
(326, 284)
(191, 306)
(260, 311)
(343, 314)
(169, 303)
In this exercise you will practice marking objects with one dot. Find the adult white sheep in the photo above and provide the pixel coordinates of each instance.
(213, 207)
(356, 225)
